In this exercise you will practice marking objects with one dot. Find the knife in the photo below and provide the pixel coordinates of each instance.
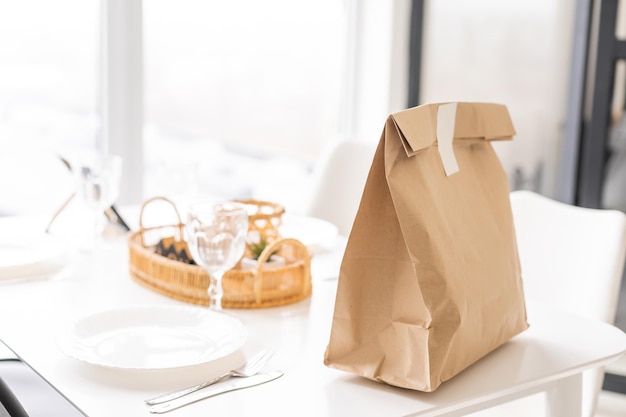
(216, 389)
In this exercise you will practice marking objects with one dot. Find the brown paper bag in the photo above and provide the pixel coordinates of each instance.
(430, 280)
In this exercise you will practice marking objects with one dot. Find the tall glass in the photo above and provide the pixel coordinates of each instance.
(216, 235)
(98, 180)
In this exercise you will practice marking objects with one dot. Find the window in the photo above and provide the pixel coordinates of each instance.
(517, 54)
(241, 96)
(48, 80)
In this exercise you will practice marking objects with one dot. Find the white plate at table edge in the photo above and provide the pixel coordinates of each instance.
(78, 347)
(44, 255)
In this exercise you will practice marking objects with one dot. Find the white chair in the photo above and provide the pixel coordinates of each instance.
(338, 181)
(572, 258)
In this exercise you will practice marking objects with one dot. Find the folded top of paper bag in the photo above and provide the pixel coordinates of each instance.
(418, 126)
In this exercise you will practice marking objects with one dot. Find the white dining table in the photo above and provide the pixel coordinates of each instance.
(550, 356)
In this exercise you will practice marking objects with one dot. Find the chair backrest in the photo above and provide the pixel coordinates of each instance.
(572, 258)
(338, 181)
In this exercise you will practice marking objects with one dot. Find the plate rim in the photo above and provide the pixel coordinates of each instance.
(314, 245)
(48, 263)
(66, 339)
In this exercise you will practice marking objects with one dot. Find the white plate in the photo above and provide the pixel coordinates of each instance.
(26, 258)
(316, 234)
(153, 337)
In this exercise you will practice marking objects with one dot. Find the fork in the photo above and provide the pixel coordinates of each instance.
(252, 367)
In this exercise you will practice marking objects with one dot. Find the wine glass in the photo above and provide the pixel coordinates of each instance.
(98, 180)
(216, 235)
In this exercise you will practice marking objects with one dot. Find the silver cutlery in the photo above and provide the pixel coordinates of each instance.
(217, 389)
(250, 368)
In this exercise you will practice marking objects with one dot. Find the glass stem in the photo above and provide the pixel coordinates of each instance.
(216, 291)
(100, 224)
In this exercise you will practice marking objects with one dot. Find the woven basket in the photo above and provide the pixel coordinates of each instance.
(262, 286)
(265, 219)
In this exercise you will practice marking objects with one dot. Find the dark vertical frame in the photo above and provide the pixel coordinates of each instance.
(567, 169)
(603, 53)
(415, 53)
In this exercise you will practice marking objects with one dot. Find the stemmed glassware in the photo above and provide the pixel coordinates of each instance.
(98, 180)
(216, 235)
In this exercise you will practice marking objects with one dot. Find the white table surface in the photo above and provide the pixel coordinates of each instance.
(550, 355)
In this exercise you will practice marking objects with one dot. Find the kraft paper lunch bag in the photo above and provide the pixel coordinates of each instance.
(430, 280)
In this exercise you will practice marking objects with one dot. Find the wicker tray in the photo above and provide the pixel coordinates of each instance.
(262, 286)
